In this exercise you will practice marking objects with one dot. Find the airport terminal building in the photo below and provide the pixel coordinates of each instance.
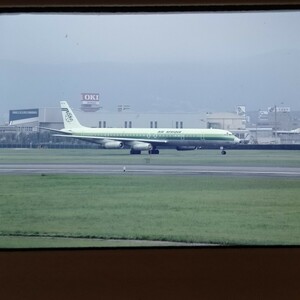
(52, 118)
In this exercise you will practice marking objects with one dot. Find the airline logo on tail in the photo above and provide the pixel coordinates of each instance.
(68, 115)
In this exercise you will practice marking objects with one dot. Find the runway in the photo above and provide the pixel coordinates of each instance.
(194, 170)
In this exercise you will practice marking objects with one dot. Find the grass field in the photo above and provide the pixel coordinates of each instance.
(201, 209)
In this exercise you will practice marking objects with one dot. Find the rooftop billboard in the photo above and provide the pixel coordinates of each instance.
(90, 102)
(19, 116)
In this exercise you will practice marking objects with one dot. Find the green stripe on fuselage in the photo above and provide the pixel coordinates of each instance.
(180, 135)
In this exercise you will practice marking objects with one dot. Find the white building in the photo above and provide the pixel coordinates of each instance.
(226, 120)
(52, 118)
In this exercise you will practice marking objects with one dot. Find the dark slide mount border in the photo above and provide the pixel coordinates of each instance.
(190, 273)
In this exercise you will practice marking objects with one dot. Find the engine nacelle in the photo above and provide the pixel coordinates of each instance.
(113, 145)
(185, 148)
(141, 146)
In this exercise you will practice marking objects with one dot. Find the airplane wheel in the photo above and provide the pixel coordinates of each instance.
(153, 151)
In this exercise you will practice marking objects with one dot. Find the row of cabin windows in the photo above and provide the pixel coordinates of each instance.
(128, 124)
(160, 135)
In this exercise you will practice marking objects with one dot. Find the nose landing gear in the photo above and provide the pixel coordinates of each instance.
(223, 152)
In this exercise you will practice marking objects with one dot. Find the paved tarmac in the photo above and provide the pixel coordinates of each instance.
(148, 170)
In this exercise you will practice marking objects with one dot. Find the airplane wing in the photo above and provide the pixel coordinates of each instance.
(100, 139)
(54, 130)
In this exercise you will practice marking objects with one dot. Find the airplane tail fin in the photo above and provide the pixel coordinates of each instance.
(70, 120)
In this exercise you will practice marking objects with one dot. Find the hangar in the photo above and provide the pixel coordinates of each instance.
(52, 118)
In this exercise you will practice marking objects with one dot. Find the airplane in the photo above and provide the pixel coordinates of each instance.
(142, 139)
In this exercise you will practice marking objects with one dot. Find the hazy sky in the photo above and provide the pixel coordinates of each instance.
(146, 38)
(216, 47)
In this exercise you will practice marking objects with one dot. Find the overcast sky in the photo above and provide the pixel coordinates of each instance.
(211, 41)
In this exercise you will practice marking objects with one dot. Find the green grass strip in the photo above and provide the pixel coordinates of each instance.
(201, 209)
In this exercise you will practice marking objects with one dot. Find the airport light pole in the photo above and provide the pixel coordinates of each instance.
(203, 121)
(275, 125)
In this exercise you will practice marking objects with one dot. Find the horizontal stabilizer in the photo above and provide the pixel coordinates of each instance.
(53, 130)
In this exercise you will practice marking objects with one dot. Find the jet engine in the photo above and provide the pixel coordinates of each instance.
(141, 146)
(113, 145)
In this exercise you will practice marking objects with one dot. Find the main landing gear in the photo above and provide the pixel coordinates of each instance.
(153, 151)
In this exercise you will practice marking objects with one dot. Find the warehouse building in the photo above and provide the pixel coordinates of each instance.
(52, 118)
